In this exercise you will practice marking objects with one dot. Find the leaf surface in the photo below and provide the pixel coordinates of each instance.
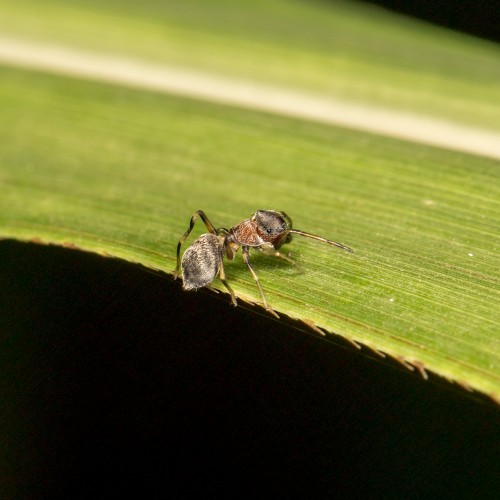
(120, 171)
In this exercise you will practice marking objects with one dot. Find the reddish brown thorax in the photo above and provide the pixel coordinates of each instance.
(247, 233)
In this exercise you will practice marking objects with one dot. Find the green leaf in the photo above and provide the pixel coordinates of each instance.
(344, 49)
(120, 172)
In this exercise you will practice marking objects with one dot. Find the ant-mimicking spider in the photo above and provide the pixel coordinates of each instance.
(266, 231)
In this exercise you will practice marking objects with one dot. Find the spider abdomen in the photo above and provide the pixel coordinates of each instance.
(201, 262)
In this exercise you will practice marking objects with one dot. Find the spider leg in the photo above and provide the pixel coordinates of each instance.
(246, 257)
(272, 252)
(208, 225)
(222, 277)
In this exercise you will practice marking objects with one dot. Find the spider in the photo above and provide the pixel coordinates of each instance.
(266, 230)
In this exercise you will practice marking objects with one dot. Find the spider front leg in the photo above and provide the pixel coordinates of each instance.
(208, 225)
(246, 257)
